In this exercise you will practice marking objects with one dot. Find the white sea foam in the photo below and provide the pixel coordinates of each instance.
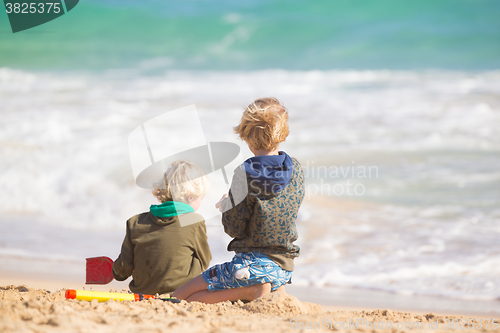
(431, 135)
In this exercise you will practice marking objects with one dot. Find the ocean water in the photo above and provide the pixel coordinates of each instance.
(394, 115)
(402, 168)
(262, 34)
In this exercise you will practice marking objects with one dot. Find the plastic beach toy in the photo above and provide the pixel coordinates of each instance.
(99, 270)
(87, 295)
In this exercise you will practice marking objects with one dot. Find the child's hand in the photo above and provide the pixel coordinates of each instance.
(219, 204)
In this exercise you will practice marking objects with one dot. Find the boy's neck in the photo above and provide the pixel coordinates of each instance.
(257, 152)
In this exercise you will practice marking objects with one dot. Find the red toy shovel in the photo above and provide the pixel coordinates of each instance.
(99, 270)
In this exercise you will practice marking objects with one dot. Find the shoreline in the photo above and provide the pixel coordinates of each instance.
(364, 299)
(34, 301)
(330, 298)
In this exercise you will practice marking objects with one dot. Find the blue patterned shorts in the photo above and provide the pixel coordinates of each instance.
(246, 269)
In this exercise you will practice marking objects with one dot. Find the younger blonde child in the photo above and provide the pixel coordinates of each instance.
(167, 246)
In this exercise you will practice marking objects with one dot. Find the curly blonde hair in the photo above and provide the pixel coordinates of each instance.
(264, 124)
(181, 180)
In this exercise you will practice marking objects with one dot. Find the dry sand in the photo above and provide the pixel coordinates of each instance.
(24, 309)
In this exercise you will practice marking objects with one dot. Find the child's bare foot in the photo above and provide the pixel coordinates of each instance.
(280, 290)
(256, 291)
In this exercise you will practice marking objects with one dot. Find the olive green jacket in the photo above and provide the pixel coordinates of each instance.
(160, 254)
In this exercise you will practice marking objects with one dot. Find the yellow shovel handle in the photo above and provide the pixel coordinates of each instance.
(85, 295)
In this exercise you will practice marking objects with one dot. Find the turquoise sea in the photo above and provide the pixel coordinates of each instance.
(407, 89)
(262, 34)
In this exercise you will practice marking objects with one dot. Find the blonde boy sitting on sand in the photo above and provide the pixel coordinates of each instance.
(262, 223)
(167, 246)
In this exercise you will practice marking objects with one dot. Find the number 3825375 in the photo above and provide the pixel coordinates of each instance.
(33, 7)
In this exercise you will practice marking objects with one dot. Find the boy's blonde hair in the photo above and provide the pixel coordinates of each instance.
(264, 124)
(181, 180)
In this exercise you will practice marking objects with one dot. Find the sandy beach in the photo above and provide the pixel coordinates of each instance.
(393, 114)
(32, 300)
(26, 309)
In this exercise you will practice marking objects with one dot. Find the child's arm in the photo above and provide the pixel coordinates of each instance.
(235, 217)
(124, 264)
(202, 248)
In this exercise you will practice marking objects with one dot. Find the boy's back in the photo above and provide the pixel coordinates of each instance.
(264, 221)
(161, 254)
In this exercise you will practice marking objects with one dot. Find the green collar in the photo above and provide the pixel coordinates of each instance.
(170, 208)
